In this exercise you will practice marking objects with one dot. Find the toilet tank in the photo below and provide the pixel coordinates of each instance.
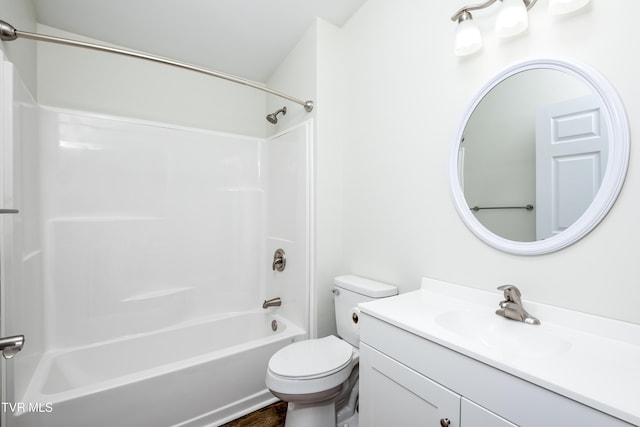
(348, 292)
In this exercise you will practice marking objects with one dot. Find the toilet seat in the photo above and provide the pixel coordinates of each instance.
(319, 378)
(311, 358)
(311, 366)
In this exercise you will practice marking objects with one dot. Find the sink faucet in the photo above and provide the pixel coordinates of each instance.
(511, 307)
(273, 302)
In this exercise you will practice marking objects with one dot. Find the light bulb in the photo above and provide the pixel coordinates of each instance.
(512, 18)
(468, 38)
(560, 7)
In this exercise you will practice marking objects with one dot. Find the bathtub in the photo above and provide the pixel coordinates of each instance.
(198, 374)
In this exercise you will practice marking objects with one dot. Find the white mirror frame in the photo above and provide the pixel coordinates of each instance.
(616, 169)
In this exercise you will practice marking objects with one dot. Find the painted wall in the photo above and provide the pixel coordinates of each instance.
(399, 220)
(104, 83)
(314, 70)
(88, 80)
(22, 53)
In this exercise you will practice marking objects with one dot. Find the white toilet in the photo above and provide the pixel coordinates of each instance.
(319, 377)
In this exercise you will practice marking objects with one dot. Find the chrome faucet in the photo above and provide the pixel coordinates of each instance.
(273, 302)
(511, 307)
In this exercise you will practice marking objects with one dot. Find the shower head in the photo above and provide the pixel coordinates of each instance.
(273, 117)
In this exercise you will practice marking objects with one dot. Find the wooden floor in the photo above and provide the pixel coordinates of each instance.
(271, 416)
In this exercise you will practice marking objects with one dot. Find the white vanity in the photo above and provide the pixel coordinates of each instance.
(441, 356)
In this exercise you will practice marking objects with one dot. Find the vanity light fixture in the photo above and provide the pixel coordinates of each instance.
(512, 19)
(468, 37)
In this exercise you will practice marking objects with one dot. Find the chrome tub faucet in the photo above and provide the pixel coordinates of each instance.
(273, 302)
(511, 307)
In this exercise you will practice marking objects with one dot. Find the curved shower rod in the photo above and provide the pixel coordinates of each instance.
(8, 32)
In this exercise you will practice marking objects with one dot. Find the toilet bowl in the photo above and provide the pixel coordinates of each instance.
(319, 377)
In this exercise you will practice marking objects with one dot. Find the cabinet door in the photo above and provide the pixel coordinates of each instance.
(393, 395)
(472, 415)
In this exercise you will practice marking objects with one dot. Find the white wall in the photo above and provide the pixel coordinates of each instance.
(22, 53)
(296, 75)
(87, 80)
(399, 220)
(315, 69)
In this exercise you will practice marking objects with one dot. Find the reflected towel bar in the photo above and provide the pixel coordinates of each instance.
(477, 208)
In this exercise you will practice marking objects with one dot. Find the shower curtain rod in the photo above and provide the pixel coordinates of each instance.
(8, 33)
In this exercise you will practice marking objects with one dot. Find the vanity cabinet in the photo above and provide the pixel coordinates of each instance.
(393, 394)
(408, 380)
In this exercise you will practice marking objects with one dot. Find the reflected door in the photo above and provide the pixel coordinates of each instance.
(571, 155)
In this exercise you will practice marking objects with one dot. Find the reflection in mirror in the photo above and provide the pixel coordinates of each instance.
(540, 156)
(517, 121)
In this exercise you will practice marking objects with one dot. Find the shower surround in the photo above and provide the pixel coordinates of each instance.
(134, 230)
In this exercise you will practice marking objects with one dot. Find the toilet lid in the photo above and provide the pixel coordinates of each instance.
(311, 358)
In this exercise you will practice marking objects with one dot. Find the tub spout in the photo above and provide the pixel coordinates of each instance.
(273, 302)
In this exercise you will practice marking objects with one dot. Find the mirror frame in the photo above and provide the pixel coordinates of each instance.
(616, 169)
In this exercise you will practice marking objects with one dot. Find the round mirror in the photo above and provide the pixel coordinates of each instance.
(539, 157)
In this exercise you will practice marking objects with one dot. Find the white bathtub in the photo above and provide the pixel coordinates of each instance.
(200, 374)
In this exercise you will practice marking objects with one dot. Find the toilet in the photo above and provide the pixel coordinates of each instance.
(319, 377)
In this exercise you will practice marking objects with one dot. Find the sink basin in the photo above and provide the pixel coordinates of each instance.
(513, 339)
(465, 323)
(526, 341)
(592, 360)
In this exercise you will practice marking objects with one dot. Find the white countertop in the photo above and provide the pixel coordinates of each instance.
(590, 359)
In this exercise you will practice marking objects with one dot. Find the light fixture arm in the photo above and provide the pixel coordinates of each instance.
(478, 6)
(456, 16)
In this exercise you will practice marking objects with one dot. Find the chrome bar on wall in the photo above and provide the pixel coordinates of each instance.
(8, 33)
(478, 208)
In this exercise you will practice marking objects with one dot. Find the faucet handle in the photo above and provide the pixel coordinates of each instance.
(511, 293)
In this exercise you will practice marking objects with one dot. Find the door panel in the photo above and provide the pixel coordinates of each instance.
(571, 155)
